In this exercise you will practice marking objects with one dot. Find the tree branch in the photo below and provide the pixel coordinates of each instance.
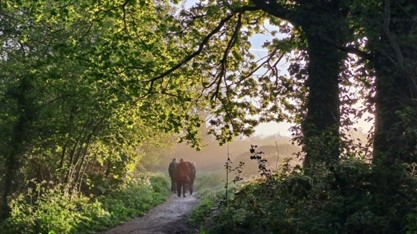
(272, 8)
(391, 36)
(223, 62)
(201, 46)
(348, 49)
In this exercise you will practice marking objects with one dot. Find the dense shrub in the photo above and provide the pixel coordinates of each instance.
(204, 208)
(49, 208)
(343, 199)
(135, 198)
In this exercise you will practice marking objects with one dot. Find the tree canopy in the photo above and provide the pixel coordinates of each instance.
(84, 84)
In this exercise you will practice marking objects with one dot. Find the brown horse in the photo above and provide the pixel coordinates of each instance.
(184, 177)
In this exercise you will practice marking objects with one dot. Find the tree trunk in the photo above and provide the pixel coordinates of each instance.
(396, 108)
(395, 111)
(396, 90)
(324, 27)
(18, 141)
(321, 125)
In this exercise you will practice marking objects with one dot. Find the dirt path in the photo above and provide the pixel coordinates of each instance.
(167, 218)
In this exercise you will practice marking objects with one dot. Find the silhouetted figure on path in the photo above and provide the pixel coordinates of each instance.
(171, 170)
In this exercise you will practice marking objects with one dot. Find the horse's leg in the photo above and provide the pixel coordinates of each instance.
(179, 185)
(172, 184)
(191, 188)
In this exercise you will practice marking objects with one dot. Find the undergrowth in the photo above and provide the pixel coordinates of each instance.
(50, 208)
(342, 199)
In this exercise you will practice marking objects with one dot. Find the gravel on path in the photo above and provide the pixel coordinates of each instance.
(169, 217)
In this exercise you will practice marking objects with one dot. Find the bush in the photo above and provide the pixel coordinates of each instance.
(160, 184)
(204, 208)
(50, 209)
(343, 199)
(135, 198)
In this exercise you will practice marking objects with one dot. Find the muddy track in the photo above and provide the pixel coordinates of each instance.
(167, 218)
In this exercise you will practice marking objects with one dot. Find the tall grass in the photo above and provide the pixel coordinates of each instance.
(209, 182)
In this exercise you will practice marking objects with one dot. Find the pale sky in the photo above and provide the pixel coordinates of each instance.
(273, 128)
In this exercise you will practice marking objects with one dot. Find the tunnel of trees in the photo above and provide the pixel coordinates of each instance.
(85, 84)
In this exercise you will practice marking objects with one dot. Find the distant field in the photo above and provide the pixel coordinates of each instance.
(210, 161)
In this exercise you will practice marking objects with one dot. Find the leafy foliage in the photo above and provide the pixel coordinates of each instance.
(77, 92)
(49, 208)
(46, 208)
(130, 202)
(341, 201)
(86, 85)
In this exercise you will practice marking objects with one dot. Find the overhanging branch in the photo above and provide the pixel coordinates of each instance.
(201, 46)
(223, 62)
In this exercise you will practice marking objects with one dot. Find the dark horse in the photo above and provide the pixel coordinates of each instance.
(171, 170)
(183, 178)
(191, 166)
